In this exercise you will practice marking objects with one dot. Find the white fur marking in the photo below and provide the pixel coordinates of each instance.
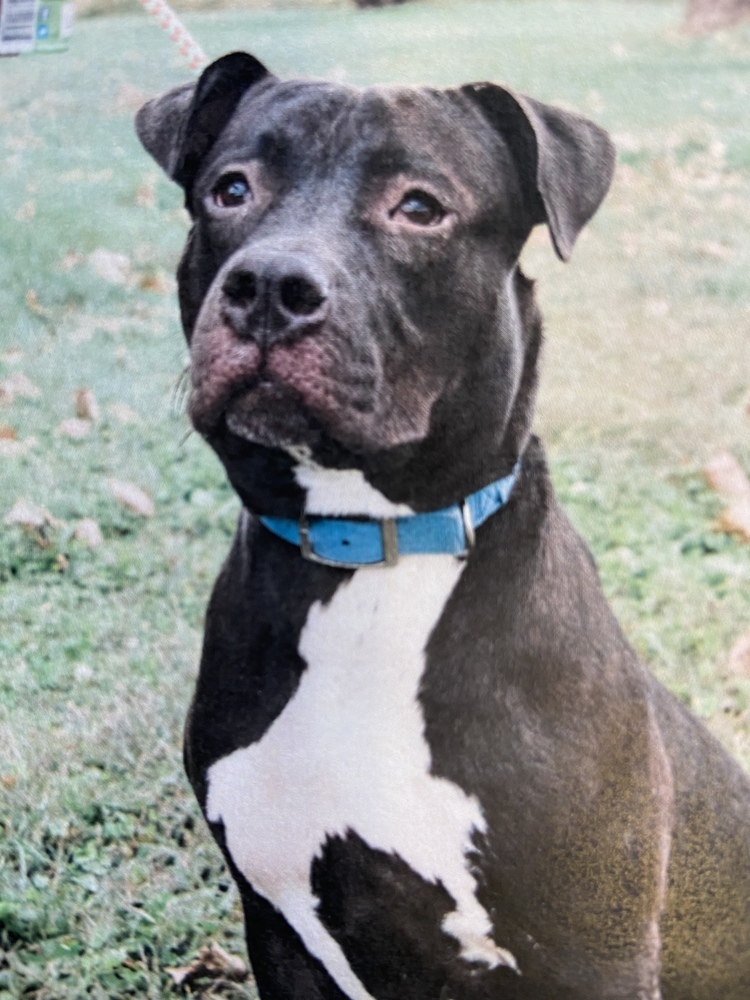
(348, 753)
(301, 453)
(338, 492)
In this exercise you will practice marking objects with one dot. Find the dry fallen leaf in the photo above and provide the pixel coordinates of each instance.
(132, 497)
(19, 385)
(111, 266)
(26, 212)
(124, 413)
(656, 307)
(74, 428)
(725, 475)
(88, 532)
(86, 405)
(8, 433)
(70, 259)
(145, 195)
(718, 250)
(87, 326)
(736, 520)
(739, 657)
(130, 98)
(12, 449)
(213, 962)
(155, 282)
(28, 515)
(35, 306)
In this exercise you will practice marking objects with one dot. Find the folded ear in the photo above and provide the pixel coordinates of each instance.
(179, 128)
(565, 162)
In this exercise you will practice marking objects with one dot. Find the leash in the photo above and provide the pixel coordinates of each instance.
(178, 34)
(350, 544)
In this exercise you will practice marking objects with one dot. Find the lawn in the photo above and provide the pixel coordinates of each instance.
(107, 876)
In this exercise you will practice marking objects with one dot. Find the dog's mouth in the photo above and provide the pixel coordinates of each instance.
(262, 432)
(322, 392)
(268, 412)
(263, 395)
(283, 395)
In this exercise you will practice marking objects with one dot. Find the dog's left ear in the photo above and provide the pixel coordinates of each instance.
(565, 162)
(179, 128)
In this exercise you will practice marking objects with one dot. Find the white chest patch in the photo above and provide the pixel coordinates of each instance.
(342, 492)
(348, 753)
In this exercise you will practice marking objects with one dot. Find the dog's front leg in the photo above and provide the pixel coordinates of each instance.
(282, 966)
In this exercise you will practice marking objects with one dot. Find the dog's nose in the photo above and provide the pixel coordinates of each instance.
(274, 296)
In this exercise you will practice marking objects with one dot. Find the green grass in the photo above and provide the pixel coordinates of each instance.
(107, 875)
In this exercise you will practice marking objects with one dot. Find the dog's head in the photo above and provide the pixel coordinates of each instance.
(350, 289)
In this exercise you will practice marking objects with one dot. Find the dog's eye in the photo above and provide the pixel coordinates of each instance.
(420, 208)
(231, 190)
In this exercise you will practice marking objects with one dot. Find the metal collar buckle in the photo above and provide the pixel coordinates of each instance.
(468, 529)
(388, 534)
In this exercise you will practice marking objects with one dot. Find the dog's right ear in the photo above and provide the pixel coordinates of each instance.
(179, 128)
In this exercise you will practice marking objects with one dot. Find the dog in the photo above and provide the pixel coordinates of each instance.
(435, 766)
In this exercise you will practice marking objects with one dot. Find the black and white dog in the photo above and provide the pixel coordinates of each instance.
(446, 776)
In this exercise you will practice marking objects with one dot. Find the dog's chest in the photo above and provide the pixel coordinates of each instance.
(348, 753)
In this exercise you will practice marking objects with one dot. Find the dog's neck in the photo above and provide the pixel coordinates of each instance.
(341, 492)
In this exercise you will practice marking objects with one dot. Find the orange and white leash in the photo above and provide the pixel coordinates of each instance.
(178, 33)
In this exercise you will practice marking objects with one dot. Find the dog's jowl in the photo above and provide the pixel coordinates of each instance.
(435, 766)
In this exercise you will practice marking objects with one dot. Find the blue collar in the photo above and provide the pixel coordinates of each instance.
(349, 544)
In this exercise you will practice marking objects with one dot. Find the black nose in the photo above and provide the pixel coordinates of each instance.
(274, 296)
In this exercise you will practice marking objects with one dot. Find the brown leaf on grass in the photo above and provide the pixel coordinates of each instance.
(24, 143)
(717, 250)
(26, 212)
(86, 405)
(739, 657)
(704, 18)
(110, 266)
(88, 532)
(89, 325)
(124, 413)
(212, 962)
(35, 306)
(74, 428)
(725, 475)
(155, 282)
(656, 307)
(28, 515)
(736, 520)
(19, 385)
(12, 449)
(145, 195)
(132, 497)
(70, 259)
(8, 433)
(130, 98)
